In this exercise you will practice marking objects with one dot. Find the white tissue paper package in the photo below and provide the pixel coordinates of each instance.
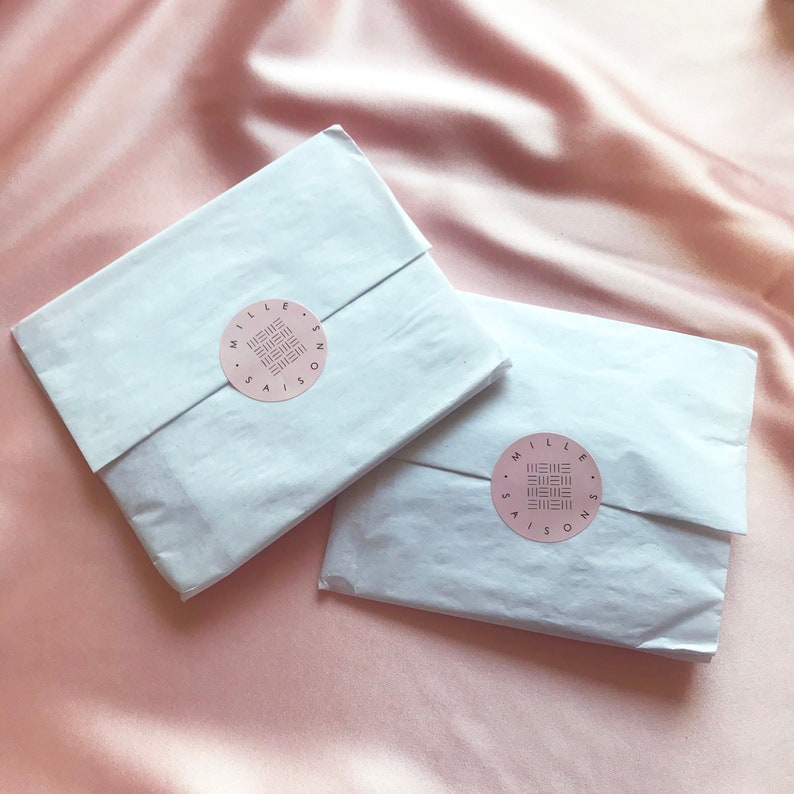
(625, 446)
(238, 370)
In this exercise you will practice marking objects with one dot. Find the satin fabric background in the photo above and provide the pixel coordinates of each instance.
(626, 159)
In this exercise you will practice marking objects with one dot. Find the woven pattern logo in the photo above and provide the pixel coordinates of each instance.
(276, 346)
(549, 486)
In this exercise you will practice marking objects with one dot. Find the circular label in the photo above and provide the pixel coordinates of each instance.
(546, 487)
(273, 350)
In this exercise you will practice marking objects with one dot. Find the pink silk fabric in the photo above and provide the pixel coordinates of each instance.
(625, 159)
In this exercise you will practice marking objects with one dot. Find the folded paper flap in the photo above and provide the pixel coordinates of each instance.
(430, 539)
(136, 344)
(665, 415)
(405, 354)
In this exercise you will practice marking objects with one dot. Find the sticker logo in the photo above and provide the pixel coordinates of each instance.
(273, 350)
(546, 487)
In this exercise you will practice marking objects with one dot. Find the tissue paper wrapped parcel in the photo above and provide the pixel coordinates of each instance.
(306, 281)
(624, 445)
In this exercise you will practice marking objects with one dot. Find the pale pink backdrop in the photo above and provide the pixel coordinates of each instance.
(633, 160)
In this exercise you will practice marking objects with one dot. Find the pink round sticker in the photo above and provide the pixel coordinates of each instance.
(273, 350)
(546, 487)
